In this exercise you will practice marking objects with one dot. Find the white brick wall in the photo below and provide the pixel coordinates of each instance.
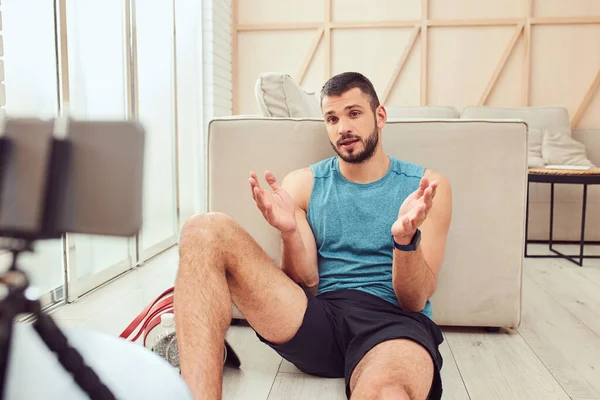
(217, 59)
(216, 78)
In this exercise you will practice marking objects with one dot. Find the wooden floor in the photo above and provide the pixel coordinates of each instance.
(555, 353)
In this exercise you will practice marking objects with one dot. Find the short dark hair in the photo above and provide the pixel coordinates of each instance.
(341, 83)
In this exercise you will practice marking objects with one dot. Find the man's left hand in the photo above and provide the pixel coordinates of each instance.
(413, 211)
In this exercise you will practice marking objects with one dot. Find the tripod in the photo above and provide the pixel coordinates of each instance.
(52, 173)
(17, 297)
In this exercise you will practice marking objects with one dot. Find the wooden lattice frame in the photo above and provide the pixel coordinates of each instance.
(420, 30)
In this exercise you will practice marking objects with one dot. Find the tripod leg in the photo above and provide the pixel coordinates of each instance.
(71, 360)
(6, 331)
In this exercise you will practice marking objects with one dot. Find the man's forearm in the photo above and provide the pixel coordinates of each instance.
(412, 279)
(295, 262)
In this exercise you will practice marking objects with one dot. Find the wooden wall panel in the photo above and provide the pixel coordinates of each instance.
(315, 76)
(508, 88)
(376, 10)
(565, 61)
(265, 52)
(373, 52)
(279, 11)
(472, 9)
(467, 55)
(466, 52)
(566, 8)
(592, 115)
(407, 90)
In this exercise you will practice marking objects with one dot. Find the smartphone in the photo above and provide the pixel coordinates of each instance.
(88, 182)
(103, 183)
(22, 194)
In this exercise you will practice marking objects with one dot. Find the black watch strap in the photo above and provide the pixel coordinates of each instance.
(412, 246)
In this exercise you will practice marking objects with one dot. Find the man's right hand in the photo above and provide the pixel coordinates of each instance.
(278, 207)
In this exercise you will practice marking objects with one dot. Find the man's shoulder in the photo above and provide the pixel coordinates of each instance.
(299, 176)
(436, 176)
(307, 174)
(298, 184)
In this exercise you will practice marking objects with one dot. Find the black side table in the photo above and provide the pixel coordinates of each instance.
(552, 177)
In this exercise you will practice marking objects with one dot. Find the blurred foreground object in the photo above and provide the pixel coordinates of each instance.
(129, 370)
(66, 176)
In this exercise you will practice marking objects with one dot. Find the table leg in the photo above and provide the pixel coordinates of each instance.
(527, 220)
(551, 215)
(583, 210)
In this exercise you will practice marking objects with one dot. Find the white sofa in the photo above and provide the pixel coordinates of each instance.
(480, 281)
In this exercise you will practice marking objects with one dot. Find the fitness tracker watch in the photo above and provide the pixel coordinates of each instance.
(412, 246)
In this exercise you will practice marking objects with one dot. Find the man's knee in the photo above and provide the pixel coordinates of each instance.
(205, 227)
(380, 389)
(392, 391)
(207, 221)
(205, 233)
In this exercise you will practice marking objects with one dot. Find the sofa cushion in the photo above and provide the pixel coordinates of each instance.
(534, 145)
(555, 119)
(278, 95)
(559, 149)
(422, 112)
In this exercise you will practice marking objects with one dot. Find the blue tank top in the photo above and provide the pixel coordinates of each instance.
(352, 225)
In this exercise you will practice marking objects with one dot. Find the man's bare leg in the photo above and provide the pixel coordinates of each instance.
(221, 262)
(398, 369)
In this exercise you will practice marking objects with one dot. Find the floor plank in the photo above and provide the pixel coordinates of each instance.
(575, 288)
(151, 278)
(289, 368)
(258, 370)
(452, 383)
(567, 347)
(501, 366)
(289, 386)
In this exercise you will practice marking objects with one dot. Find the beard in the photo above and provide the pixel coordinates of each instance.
(357, 156)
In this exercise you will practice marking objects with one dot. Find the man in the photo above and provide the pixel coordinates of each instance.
(362, 245)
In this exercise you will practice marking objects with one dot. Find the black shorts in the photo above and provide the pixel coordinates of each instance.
(340, 327)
